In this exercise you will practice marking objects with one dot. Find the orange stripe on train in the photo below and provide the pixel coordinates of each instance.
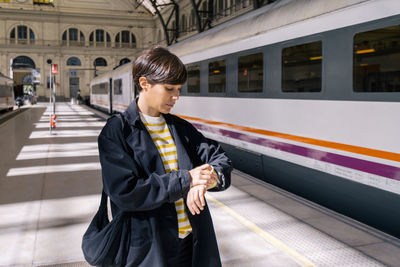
(354, 149)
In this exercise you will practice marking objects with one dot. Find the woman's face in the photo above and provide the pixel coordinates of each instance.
(159, 98)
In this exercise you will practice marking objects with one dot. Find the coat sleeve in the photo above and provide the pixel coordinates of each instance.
(123, 181)
(211, 152)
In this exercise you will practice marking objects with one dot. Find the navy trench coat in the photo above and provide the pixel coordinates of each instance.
(135, 180)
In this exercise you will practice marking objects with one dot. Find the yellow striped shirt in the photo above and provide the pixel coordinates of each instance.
(159, 132)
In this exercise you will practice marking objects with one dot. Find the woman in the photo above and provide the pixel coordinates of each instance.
(157, 167)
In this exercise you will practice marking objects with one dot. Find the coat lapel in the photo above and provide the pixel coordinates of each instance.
(145, 151)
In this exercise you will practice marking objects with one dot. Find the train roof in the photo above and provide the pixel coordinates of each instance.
(274, 16)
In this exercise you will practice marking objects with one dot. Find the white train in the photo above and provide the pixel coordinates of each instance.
(305, 94)
(113, 91)
(6, 93)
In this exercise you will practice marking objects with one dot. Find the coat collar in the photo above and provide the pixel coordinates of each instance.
(133, 117)
(132, 113)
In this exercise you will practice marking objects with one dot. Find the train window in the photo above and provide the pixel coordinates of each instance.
(100, 89)
(193, 81)
(217, 76)
(118, 87)
(376, 60)
(250, 76)
(302, 68)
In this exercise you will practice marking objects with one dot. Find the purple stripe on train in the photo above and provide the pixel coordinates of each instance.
(345, 161)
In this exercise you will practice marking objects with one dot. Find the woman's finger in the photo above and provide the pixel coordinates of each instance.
(194, 204)
(205, 166)
(202, 182)
(189, 203)
(201, 197)
(197, 201)
(205, 172)
(195, 208)
(215, 177)
(206, 176)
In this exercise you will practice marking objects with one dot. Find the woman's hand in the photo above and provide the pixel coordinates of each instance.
(203, 175)
(195, 199)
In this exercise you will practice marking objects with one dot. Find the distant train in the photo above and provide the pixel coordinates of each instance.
(305, 94)
(6, 93)
(113, 90)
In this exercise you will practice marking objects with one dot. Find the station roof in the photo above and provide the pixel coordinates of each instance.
(149, 6)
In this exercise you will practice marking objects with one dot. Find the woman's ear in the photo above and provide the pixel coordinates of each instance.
(143, 83)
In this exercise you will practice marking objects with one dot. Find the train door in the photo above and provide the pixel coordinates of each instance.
(111, 94)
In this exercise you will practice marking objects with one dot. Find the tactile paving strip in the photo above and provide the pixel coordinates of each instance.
(319, 248)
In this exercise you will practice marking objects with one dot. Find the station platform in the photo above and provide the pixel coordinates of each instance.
(50, 187)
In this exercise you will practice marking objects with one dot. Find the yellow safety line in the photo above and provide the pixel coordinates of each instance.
(13, 117)
(269, 238)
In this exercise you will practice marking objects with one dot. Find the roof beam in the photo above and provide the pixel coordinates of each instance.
(167, 26)
(201, 25)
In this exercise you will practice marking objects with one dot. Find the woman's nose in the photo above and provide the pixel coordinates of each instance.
(176, 95)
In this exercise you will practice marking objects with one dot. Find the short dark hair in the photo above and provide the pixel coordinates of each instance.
(158, 65)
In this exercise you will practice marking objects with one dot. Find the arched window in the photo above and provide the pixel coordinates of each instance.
(99, 37)
(124, 61)
(100, 62)
(125, 39)
(74, 61)
(23, 62)
(71, 37)
(22, 35)
(22, 32)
